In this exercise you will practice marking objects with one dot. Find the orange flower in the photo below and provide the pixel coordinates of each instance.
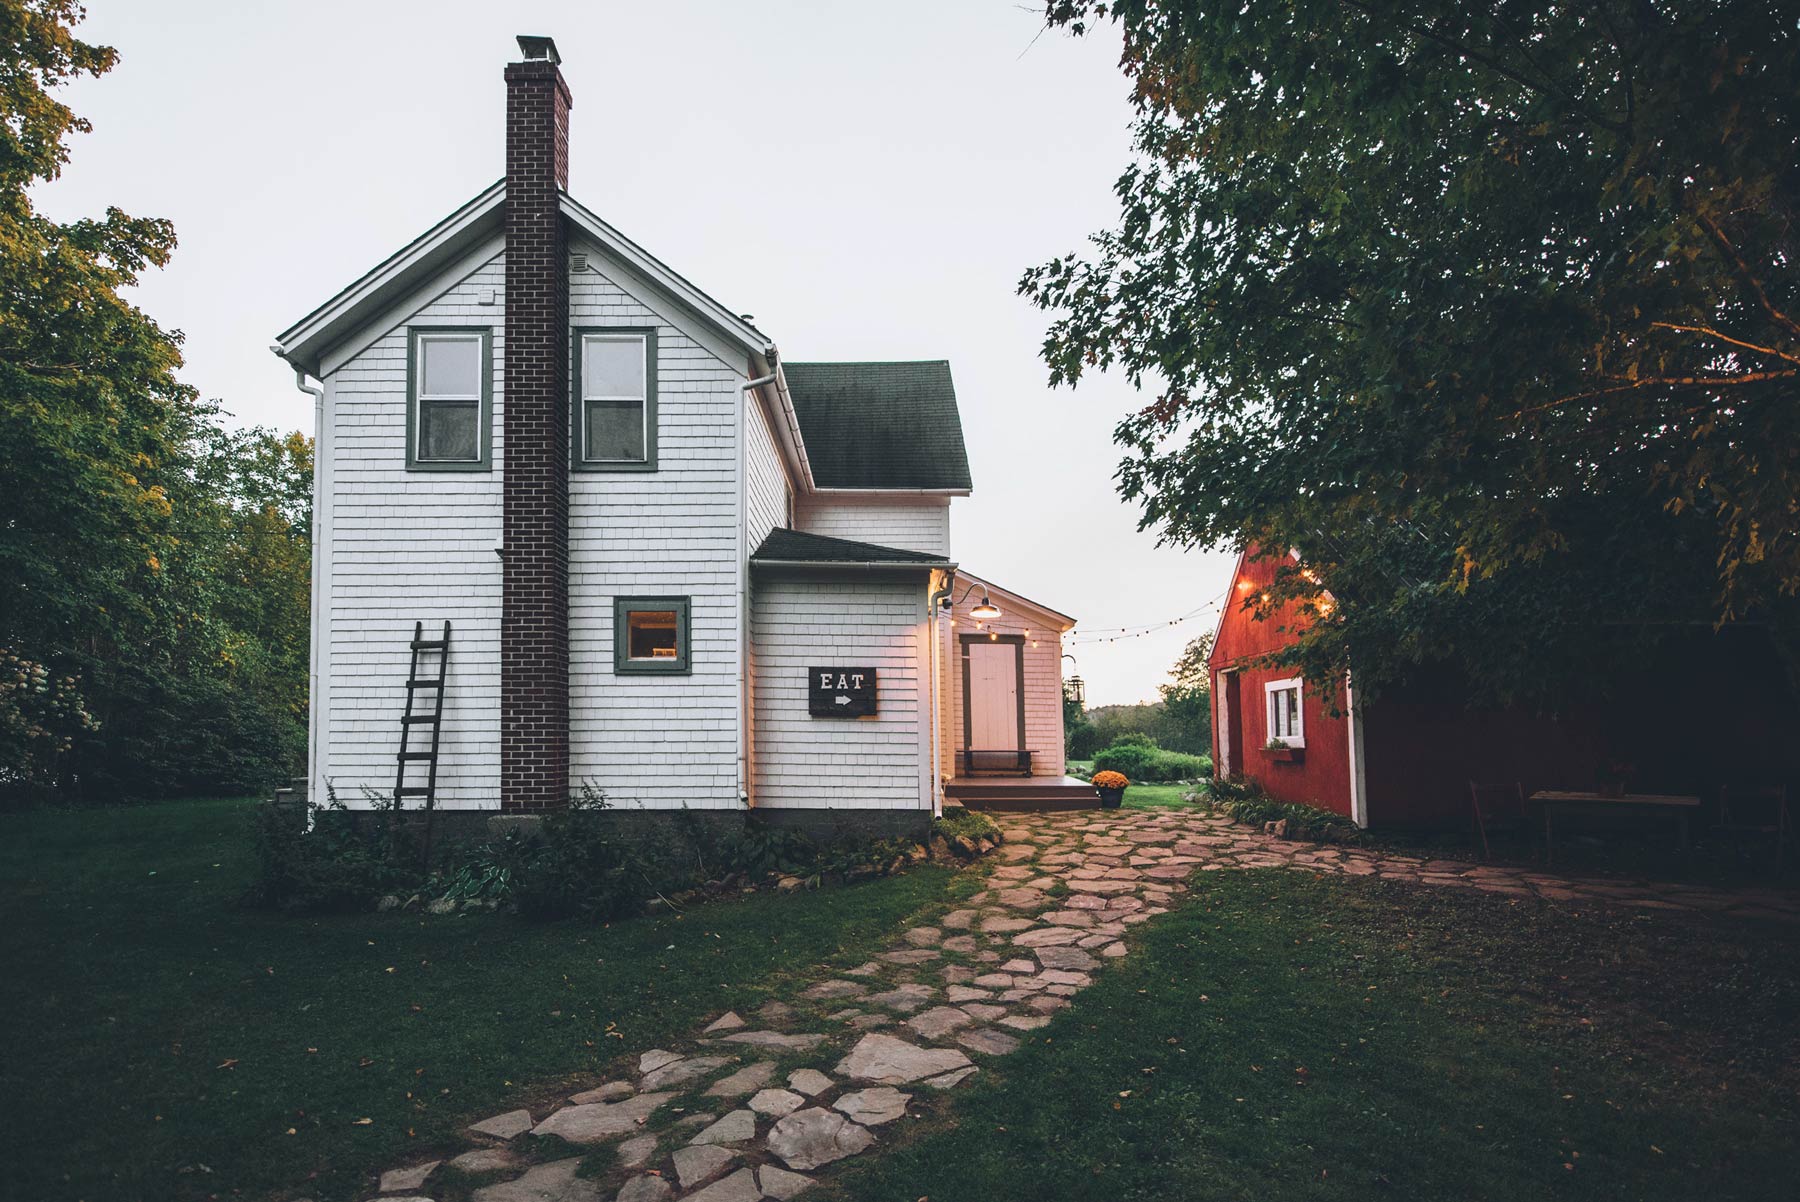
(1110, 780)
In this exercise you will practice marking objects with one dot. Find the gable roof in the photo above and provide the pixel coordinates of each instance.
(305, 342)
(880, 425)
(1019, 599)
(797, 547)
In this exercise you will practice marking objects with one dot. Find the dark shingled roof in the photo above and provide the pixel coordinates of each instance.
(880, 425)
(794, 546)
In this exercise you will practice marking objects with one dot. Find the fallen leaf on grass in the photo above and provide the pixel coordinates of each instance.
(226, 1064)
(363, 1123)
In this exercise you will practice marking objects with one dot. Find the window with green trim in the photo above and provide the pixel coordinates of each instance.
(615, 400)
(449, 399)
(650, 634)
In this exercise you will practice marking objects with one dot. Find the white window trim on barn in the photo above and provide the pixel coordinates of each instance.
(1272, 692)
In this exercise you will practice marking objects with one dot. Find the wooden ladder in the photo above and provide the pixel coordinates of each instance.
(431, 723)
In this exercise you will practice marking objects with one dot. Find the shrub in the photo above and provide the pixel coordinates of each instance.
(340, 864)
(576, 864)
(1138, 757)
(1245, 801)
(968, 823)
(1083, 741)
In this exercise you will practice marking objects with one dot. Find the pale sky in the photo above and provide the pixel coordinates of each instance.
(868, 180)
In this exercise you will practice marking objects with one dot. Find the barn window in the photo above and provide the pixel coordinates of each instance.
(449, 399)
(650, 634)
(615, 400)
(1287, 723)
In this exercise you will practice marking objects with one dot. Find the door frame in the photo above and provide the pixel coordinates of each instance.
(1018, 645)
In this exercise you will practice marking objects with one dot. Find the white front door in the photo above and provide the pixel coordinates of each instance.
(994, 697)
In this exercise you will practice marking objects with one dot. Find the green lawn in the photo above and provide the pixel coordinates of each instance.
(1286, 1036)
(161, 1042)
(1158, 797)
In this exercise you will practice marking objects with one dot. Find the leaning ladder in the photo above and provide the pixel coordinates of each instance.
(429, 722)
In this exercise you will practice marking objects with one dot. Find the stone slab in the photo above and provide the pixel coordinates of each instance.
(886, 1060)
(808, 1139)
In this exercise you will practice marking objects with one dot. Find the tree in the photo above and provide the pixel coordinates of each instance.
(1488, 310)
(153, 568)
(1187, 699)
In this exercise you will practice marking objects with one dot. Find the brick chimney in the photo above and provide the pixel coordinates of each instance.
(534, 620)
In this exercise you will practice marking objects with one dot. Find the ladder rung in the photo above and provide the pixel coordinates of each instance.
(426, 684)
(419, 719)
(429, 644)
(413, 791)
(413, 756)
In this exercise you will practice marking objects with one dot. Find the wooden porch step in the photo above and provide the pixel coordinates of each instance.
(1015, 793)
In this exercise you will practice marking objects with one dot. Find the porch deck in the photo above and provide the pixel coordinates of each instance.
(1021, 793)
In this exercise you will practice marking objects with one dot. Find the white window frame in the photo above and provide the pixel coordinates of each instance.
(422, 400)
(1271, 690)
(642, 398)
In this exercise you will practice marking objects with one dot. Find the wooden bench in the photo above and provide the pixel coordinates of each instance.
(1648, 805)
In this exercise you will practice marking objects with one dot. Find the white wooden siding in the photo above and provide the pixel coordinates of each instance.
(913, 524)
(766, 487)
(658, 741)
(399, 547)
(843, 763)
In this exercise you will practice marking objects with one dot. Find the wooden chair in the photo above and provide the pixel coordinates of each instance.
(1496, 806)
(1758, 810)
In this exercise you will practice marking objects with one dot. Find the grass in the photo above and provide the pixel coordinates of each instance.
(1288, 1036)
(163, 1042)
(1160, 797)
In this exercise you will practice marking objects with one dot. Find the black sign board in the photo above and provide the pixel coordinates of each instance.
(840, 692)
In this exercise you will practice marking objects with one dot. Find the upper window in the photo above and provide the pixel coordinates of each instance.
(615, 399)
(650, 634)
(448, 410)
(1287, 724)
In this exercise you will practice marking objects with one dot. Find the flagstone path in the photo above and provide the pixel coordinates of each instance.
(792, 1089)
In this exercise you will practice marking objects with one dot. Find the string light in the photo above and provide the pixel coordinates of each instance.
(1114, 634)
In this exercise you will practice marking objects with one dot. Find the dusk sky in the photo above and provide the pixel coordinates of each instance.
(868, 181)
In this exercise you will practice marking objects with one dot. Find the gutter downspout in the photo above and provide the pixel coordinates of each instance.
(317, 392)
(745, 797)
(937, 700)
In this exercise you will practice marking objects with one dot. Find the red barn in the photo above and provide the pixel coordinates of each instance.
(1716, 709)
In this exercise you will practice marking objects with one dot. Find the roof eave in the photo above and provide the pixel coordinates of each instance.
(636, 257)
(1022, 599)
(303, 343)
(882, 566)
(828, 492)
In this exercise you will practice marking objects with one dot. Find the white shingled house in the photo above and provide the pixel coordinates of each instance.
(577, 523)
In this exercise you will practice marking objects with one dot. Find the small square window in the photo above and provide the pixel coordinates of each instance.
(615, 400)
(447, 400)
(650, 634)
(1286, 712)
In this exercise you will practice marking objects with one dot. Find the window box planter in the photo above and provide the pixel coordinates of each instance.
(1286, 755)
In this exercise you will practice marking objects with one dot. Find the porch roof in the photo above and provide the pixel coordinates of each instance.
(784, 546)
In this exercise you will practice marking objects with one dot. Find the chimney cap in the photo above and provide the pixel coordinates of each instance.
(539, 48)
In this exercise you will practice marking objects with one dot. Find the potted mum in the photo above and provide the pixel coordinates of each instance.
(1112, 788)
